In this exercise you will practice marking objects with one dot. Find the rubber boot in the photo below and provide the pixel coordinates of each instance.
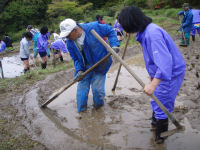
(44, 65)
(193, 38)
(187, 41)
(153, 122)
(61, 58)
(161, 126)
(25, 70)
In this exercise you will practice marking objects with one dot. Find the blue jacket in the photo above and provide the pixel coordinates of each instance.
(187, 21)
(162, 58)
(92, 48)
(3, 46)
(196, 15)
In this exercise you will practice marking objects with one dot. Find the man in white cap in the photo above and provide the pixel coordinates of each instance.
(85, 51)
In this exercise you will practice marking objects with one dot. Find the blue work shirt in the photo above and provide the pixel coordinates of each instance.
(162, 58)
(187, 21)
(59, 45)
(3, 46)
(93, 50)
(42, 43)
(196, 15)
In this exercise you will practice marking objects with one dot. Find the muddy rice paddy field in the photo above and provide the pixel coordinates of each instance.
(124, 122)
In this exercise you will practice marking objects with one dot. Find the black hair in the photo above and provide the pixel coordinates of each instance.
(101, 17)
(132, 19)
(117, 17)
(44, 30)
(28, 35)
(98, 17)
(52, 32)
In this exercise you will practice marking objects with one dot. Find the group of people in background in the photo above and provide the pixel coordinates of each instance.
(42, 46)
(190, 24)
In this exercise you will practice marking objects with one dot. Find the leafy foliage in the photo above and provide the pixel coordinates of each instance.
(18, 14)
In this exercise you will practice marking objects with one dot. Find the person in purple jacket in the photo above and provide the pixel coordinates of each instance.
(2, 46)
(118, 29)
(164, 63)
(58, 46)
(43, 45)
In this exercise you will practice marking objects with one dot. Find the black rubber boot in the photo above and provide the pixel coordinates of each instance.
(25, 70)
(193, 38)
(161, 126)
(44, 65)
(61, 58)
(153, 122)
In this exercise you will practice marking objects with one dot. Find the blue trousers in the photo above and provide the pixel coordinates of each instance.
(97, 82)
(35, 51)
(166, 93)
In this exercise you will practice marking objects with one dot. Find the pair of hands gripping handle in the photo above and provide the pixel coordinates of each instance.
(80, 75)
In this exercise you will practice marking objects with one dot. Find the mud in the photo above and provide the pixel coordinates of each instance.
(123, 122)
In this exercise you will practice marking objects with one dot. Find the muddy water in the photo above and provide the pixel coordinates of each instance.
(12, 66)
(122, 123)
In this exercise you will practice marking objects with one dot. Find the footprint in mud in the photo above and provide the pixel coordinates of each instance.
(134, 90)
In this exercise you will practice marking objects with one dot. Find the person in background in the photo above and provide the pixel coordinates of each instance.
(8, 41)
(101, 20)
(55, 35)
(163, 60)
(35, 32)
(195, 22)
(57, 46)
(118, 29)
(24, 50)
(86, 50)
(186, 25)
(2, 46)
(43, 45)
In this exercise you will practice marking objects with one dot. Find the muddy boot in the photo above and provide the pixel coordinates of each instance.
(153, 122)
(44, 65)
(25, 71)
(193, 38)
(161, 126)
(61, 58)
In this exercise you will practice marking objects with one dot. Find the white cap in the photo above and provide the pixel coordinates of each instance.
(66, 27)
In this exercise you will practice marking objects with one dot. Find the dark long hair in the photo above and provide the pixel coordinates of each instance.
(132, 19)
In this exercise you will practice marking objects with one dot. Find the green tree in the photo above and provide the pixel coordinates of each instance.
(18, 14)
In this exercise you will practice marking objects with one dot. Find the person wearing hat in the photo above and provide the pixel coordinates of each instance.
(86, 50)
(164, 63)
(186, 25)
(195, 22)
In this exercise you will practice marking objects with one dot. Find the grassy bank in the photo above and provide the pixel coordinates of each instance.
(19, 83)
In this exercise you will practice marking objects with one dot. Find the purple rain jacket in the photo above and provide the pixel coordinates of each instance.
(3, 46)
(42, 43)
(163, 61)
(59, 45)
